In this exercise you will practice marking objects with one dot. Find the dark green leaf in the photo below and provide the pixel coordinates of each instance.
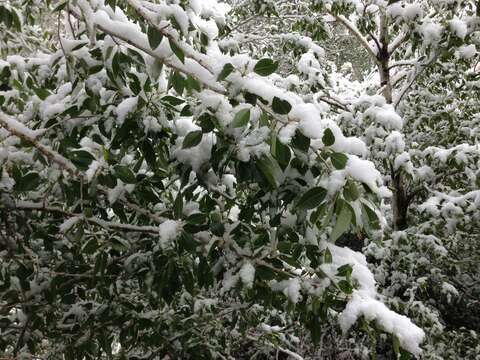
(281, 152)
(28, 182)
(154, 37)
(192, 139)
(312, 198)
(345, 286)
(241, 118)
(270, 170)
(328, 138)
(265, 67)
(280, 106)
(227, 70)
(339, 160)
(176, 50)
(41, 93)
(172, 100)
(197, 218)
(125, 174)
(342, 223)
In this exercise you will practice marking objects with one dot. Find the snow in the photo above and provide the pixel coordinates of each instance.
(247, 274)
(430, 32)
(168, 231)
(401, 160)
(126, 107)
(195, 156)
(385, 116)
(364, 303)
(93, 169)
(69, 223)
(394, 143)
(254, 144)
(409, 335)
(365, 172)
(292, 290)
(204, 303)
(467, 51)
(458, 27)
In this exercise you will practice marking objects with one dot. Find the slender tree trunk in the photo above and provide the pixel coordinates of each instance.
(400, 199)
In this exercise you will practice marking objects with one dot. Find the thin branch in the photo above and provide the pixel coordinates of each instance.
(30, 206)
(355, 32)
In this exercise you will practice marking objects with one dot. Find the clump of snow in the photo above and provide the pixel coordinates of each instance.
(401, 160)
(364, 303)
(385, 116)
(467, 51)
(361, 304)
(458, 27)
(126, 107)
(69, 223)
(247, 274)
(115, 193)
(197, 155)
(254, 144)
(365, 172)
(430, 32)
(168, 231)
(92, 170)
(292, 290)
(394, 143)
(204, 303)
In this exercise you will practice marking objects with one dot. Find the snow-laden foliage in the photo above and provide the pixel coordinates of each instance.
(182, 178)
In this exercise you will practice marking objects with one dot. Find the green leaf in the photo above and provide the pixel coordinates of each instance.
(327, 256)
(281, 152)
(28, 182)
(192, 84)
(396, 345)
(154, 37)
(197, 218)
(301, 142)
(81, 158)
(206, 123)
(192, 139)
(174, 101)
(328, 138)
(345, 286)
(350, 191)
(227, 70)
(342, 223)
(41, 93)
(125, 174)
(178, 206)
(369, 216)
(178, 82)
(149, 153)
(265, 67)
(312, 198)
(187, 242)
(241, 118)
(176, 50)
(345, 270)
(280, 106)
(270, 170)
(339, 160)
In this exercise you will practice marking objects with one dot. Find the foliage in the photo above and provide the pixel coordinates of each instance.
(180, 178)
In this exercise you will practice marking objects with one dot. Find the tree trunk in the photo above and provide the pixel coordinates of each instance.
(400, 203)
(400, 199)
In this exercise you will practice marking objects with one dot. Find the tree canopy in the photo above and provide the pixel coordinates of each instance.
(240, 179)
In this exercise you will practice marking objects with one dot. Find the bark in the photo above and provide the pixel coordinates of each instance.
(400, 203)
(400, 199)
